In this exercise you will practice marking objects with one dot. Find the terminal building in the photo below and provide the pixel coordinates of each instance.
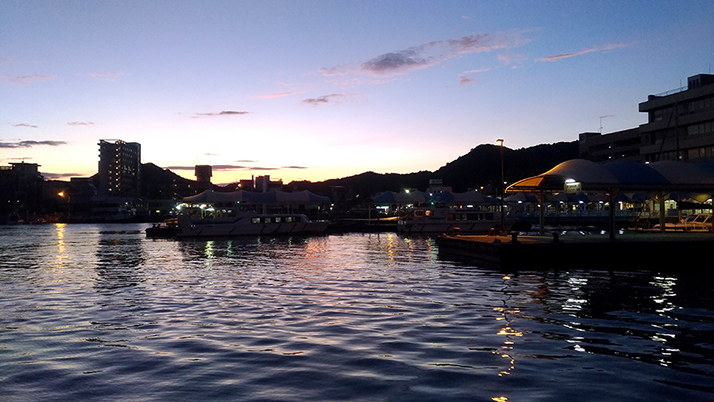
(680, 126)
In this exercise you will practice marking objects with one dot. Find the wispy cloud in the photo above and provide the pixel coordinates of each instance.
(237, 167)
(27, 79)
(596, 48)
(278, 95)
(509, 58)
(429, 54)
(465, 77)
(334, 98)
(80, 123)
(25, 125)
(219, 114)
(30, 144)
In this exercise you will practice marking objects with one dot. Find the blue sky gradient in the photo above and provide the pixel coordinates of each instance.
(324, 89)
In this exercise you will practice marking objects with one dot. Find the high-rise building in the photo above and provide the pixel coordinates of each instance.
(119, 168)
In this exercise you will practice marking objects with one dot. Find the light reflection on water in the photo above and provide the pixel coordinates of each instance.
(101, 312)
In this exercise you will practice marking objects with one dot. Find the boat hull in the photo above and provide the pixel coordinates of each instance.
(244, 227)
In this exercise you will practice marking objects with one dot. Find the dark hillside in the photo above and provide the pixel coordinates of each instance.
(480, 167)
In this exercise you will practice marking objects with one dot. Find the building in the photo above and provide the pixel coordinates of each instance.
(680, 126)
(679, 123)
(21, 191)
(119, 168)
(623, 144)
(203, 177)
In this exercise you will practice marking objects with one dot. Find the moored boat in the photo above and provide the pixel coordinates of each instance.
(430, 219)
(216, 222)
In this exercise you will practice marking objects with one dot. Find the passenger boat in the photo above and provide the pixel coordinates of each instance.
(210, 222)
(432, 219)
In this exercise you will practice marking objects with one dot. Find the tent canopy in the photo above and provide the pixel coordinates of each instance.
(622, 175)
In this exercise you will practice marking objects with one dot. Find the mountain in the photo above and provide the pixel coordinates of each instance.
(480, 167)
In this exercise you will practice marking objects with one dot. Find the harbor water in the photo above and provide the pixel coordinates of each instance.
(100, 312)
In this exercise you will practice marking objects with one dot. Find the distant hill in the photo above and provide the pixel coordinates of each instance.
(480, 167)
(158, 183)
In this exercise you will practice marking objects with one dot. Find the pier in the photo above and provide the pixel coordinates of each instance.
(676, 252)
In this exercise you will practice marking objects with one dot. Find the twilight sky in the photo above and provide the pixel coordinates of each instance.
(315, 90)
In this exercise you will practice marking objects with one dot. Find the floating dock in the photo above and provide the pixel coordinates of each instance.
(676, 252)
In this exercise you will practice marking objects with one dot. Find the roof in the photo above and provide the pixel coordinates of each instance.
(270, 197)
(622, 175)
(415, 197)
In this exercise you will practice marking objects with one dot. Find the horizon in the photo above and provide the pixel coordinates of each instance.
(315, 90)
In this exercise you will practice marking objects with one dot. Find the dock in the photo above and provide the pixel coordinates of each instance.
(676, 252)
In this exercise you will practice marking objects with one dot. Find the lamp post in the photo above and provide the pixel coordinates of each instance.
(62, 194)
(502, 186)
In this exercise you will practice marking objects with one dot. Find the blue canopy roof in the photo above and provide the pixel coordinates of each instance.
(623, 175)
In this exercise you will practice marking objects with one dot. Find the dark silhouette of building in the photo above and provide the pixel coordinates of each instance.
(119, 168)
(20, 191)
(203, 177)
(680, 126)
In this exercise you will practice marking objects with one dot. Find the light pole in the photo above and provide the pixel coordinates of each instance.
(502, 186)
(62, 194)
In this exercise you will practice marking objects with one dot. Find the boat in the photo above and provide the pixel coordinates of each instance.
(233, 221)
(165, 229)
(692, 223)
(435, 219)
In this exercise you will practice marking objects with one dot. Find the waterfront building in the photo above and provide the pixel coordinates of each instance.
(20, 190)
(119, 168)
(680, 126)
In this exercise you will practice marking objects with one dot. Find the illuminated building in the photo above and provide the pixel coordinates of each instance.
(119, 168)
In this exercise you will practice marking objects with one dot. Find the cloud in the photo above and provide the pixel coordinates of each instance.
(223, 113)
(464, 77)
(25, 125)
(335, 98)
(80, 123)
(106, 76)
(429, 54)
(278, 95)
(26, 79)
(596, 48)
(237, 167)
(511, 58)
(30, 144)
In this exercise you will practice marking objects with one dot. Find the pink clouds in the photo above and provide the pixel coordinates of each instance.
(428, 54)
(27, 79)
(596, 48)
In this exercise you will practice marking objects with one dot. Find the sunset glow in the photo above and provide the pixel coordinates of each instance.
(316, 90)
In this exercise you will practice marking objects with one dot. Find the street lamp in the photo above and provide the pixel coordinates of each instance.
(503, 183)
(62, 194)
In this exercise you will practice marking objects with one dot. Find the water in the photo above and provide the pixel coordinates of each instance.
(99, 312)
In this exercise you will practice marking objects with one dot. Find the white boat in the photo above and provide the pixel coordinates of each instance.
(210, 222)
(450, 220)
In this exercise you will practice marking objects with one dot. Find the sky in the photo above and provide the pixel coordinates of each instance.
(315, 90)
